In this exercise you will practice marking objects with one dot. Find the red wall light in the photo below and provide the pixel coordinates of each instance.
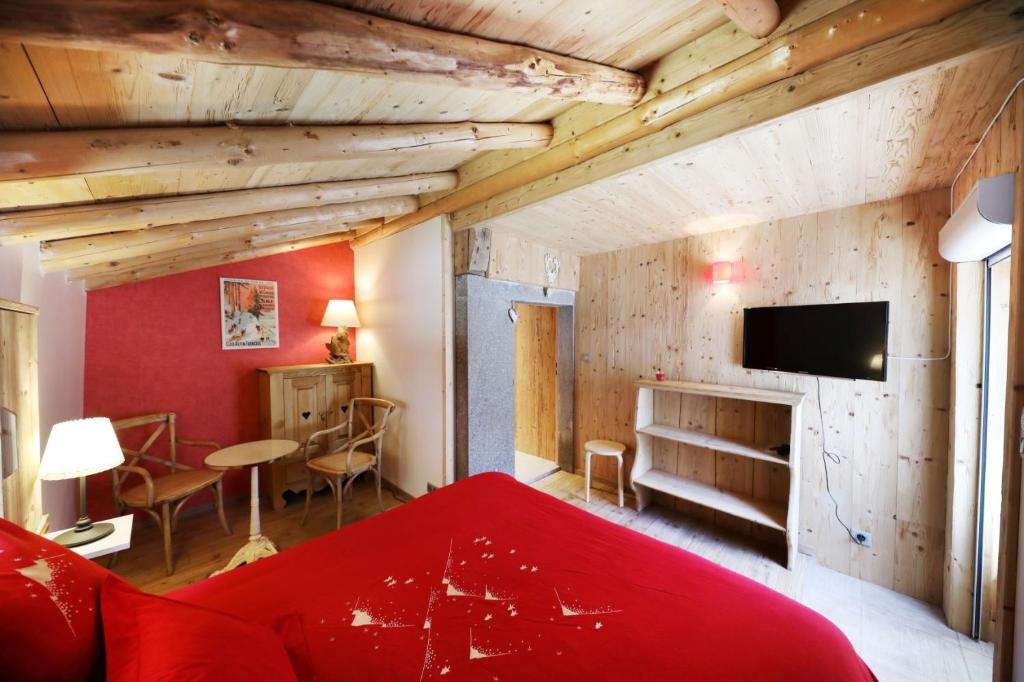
(722, 272)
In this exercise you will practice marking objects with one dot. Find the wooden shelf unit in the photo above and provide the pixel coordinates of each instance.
(646, 479)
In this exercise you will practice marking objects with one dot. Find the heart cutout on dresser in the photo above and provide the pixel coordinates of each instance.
(305, 415)
(344, 408)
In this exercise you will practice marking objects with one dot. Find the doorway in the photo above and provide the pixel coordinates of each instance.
(485, 371)
(993, 406)
(536, 391)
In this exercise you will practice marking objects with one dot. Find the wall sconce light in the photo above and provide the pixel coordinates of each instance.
(722, 272)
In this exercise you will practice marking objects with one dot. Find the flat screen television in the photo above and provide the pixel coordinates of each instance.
(845, 340)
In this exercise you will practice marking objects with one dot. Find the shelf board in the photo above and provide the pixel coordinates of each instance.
(761, 512)
(761, 395)
(712, 442)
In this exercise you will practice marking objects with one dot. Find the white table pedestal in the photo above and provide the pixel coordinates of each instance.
(259, 545)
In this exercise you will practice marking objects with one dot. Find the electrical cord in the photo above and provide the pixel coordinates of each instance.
(952, 209)
(827, 455)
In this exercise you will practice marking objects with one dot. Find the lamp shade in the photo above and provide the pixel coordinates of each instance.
(340, 313)
(722, 272)
(79, 448)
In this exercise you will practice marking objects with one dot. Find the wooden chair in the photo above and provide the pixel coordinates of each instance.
(344, 461)
(176, 487)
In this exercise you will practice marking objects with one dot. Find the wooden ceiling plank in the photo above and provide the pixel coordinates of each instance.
(23, 102)
(72, 253)
(757, 17)
(128, 151)
(169, 256)
(67, 221)
(312, 35)
(859, 55)
(207, 261)
(712, 49)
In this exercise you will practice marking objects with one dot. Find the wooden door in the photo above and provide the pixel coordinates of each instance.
(536, 377)
(341, 388)
(19, 415)
(305, 406)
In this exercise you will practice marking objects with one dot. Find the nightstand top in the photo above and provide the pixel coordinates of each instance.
(119, 540)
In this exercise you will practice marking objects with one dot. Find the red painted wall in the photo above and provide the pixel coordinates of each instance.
(155, 346)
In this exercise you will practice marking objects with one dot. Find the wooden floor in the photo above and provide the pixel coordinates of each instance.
(902, 639)
(201, 547)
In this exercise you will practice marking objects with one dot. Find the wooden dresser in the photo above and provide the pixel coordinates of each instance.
(297, 401)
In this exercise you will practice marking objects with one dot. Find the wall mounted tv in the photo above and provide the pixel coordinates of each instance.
(845, 340)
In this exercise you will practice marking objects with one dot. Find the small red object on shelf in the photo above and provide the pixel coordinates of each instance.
(659, 375)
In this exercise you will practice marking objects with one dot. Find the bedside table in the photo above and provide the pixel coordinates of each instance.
(120, 539)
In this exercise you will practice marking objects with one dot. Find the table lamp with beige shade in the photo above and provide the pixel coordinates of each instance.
(77, 449)
(340, 314)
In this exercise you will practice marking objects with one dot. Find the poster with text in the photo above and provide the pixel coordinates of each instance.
(248, 314)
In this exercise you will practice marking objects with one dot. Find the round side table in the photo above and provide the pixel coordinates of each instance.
(251, 455)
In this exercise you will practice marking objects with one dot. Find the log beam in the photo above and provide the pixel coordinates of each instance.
(246, 243)
(127, 151)
(208, 260)
(757, 17)
(67, 254)
(987, 26)
(942, 29)
(312, 35)
(66, 222)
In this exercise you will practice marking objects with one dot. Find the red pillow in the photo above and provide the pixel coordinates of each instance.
(153, 638)
(49, 609)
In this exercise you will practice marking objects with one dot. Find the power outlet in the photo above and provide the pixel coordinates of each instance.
(862, 537)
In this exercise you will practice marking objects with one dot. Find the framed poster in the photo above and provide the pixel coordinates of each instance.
(248, 314)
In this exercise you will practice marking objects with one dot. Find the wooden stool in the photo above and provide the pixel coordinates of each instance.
(604, 448)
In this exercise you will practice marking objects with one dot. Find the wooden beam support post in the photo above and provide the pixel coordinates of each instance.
(757, 17)
(84, 251)
(228, 245)
(65, 222)
(943, 29)
(312, 35)
(207, 260)
(126, 151)
(38, 156)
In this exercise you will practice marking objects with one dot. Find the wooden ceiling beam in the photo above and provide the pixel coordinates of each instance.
(245, 243)
(312, 35)
(126, 151)
(938, 30)
(709, 51)
(200, 261)
(757, 17)
(988, 26)
(66, 222)
(66, 254)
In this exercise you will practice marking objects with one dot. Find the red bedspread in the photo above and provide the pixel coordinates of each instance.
(489, 579)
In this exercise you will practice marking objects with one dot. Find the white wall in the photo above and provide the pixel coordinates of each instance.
(61, 356)
(403, 295)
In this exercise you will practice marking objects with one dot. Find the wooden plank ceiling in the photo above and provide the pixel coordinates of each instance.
(44, 87)
(144, 100)
(898, 138)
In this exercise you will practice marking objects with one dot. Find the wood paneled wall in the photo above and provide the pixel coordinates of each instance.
(654, 307)
(537, 380)
(513, 259)
(998, 153)
(964, 433)
(1002, 151)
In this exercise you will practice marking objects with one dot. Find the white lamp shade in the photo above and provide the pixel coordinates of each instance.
(79, 448)
(340, 313)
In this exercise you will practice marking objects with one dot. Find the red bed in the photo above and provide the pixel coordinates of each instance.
(489, 579)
